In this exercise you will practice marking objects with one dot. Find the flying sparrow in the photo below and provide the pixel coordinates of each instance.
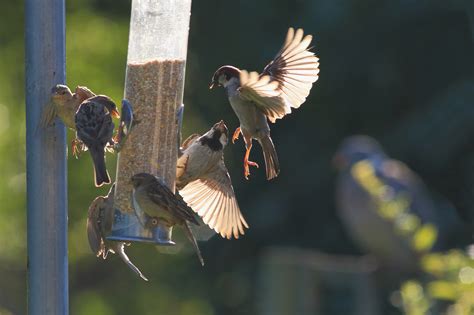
(204, 182)
(99, 225)
(284, 84)
(94, 127)
(151, 197)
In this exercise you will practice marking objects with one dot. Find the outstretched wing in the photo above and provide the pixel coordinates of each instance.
(213, 198)
(286, 80)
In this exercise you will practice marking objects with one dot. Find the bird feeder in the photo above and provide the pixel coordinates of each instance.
(154, 86)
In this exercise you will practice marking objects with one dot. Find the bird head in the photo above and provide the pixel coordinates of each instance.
(108, 103)
(223, 75)
(142, 179)
(217, 137)
(60, 94)
(356, 148)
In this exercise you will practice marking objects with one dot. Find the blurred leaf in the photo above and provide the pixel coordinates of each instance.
(425, 237)
(443, 290)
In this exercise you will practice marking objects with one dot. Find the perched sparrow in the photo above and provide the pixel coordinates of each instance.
(284, 84)
(94, 127)
(126, 121)
(384, 205)
(157, 201)
(64, 104)
(204, 182)
(99, 225)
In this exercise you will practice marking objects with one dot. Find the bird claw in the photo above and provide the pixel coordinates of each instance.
(236, 135)
(77, 148)
(248, 163)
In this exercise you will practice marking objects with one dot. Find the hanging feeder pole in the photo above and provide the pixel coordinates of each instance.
(45, 161)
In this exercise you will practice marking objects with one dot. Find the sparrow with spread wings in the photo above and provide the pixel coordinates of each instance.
(205, 184)
(284, 84)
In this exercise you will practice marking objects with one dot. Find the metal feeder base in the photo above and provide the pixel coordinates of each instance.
(127, 228)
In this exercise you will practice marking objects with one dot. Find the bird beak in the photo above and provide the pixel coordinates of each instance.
(114, 113)
(221, 127)
(212, 85)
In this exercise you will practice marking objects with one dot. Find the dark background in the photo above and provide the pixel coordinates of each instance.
(399, 71)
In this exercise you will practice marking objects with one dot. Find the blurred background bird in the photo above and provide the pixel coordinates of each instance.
(94, 127)
(99, 224)
(205, 184)
(284, 84)
(386, 208)
(155, 204)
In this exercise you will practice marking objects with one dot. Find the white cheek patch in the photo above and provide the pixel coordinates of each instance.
(223, 139)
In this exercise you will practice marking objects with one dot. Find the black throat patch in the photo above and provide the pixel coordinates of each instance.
(213, 143)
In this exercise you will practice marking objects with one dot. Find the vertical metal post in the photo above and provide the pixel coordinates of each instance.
(46, 161)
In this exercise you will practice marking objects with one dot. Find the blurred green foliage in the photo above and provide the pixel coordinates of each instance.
(448, 276)
(399, 71)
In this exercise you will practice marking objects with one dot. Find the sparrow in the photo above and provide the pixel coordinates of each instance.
(126, 121)
(284, 84)
(204, 183)
(154, 199)
(384, 205)
(94, 127)
(99, 224)
(64, 104)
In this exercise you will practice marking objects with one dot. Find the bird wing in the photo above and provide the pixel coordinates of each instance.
(183, 159)
(189, 140)
(286, 81)
(213, 198)
(93, 123)
(82, 93)
(174, 203)
(94, 233)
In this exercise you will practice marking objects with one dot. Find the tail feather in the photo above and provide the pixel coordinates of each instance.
(100, 170)
(121, 252)
(271, 159)
(189, 234)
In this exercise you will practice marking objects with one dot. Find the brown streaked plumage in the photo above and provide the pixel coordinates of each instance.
(157, 201)
(99, 225)
(94, 127)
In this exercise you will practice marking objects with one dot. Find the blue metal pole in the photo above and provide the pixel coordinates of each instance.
(46, 161)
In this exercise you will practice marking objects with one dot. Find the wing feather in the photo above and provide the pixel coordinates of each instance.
(213, 198)
(286, 81)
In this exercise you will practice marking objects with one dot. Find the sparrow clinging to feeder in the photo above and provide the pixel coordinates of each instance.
(64, 104)
(204, 182)
(126, 121)
(155, 200)
(284, 84)
(99, 225)
(94, 127)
